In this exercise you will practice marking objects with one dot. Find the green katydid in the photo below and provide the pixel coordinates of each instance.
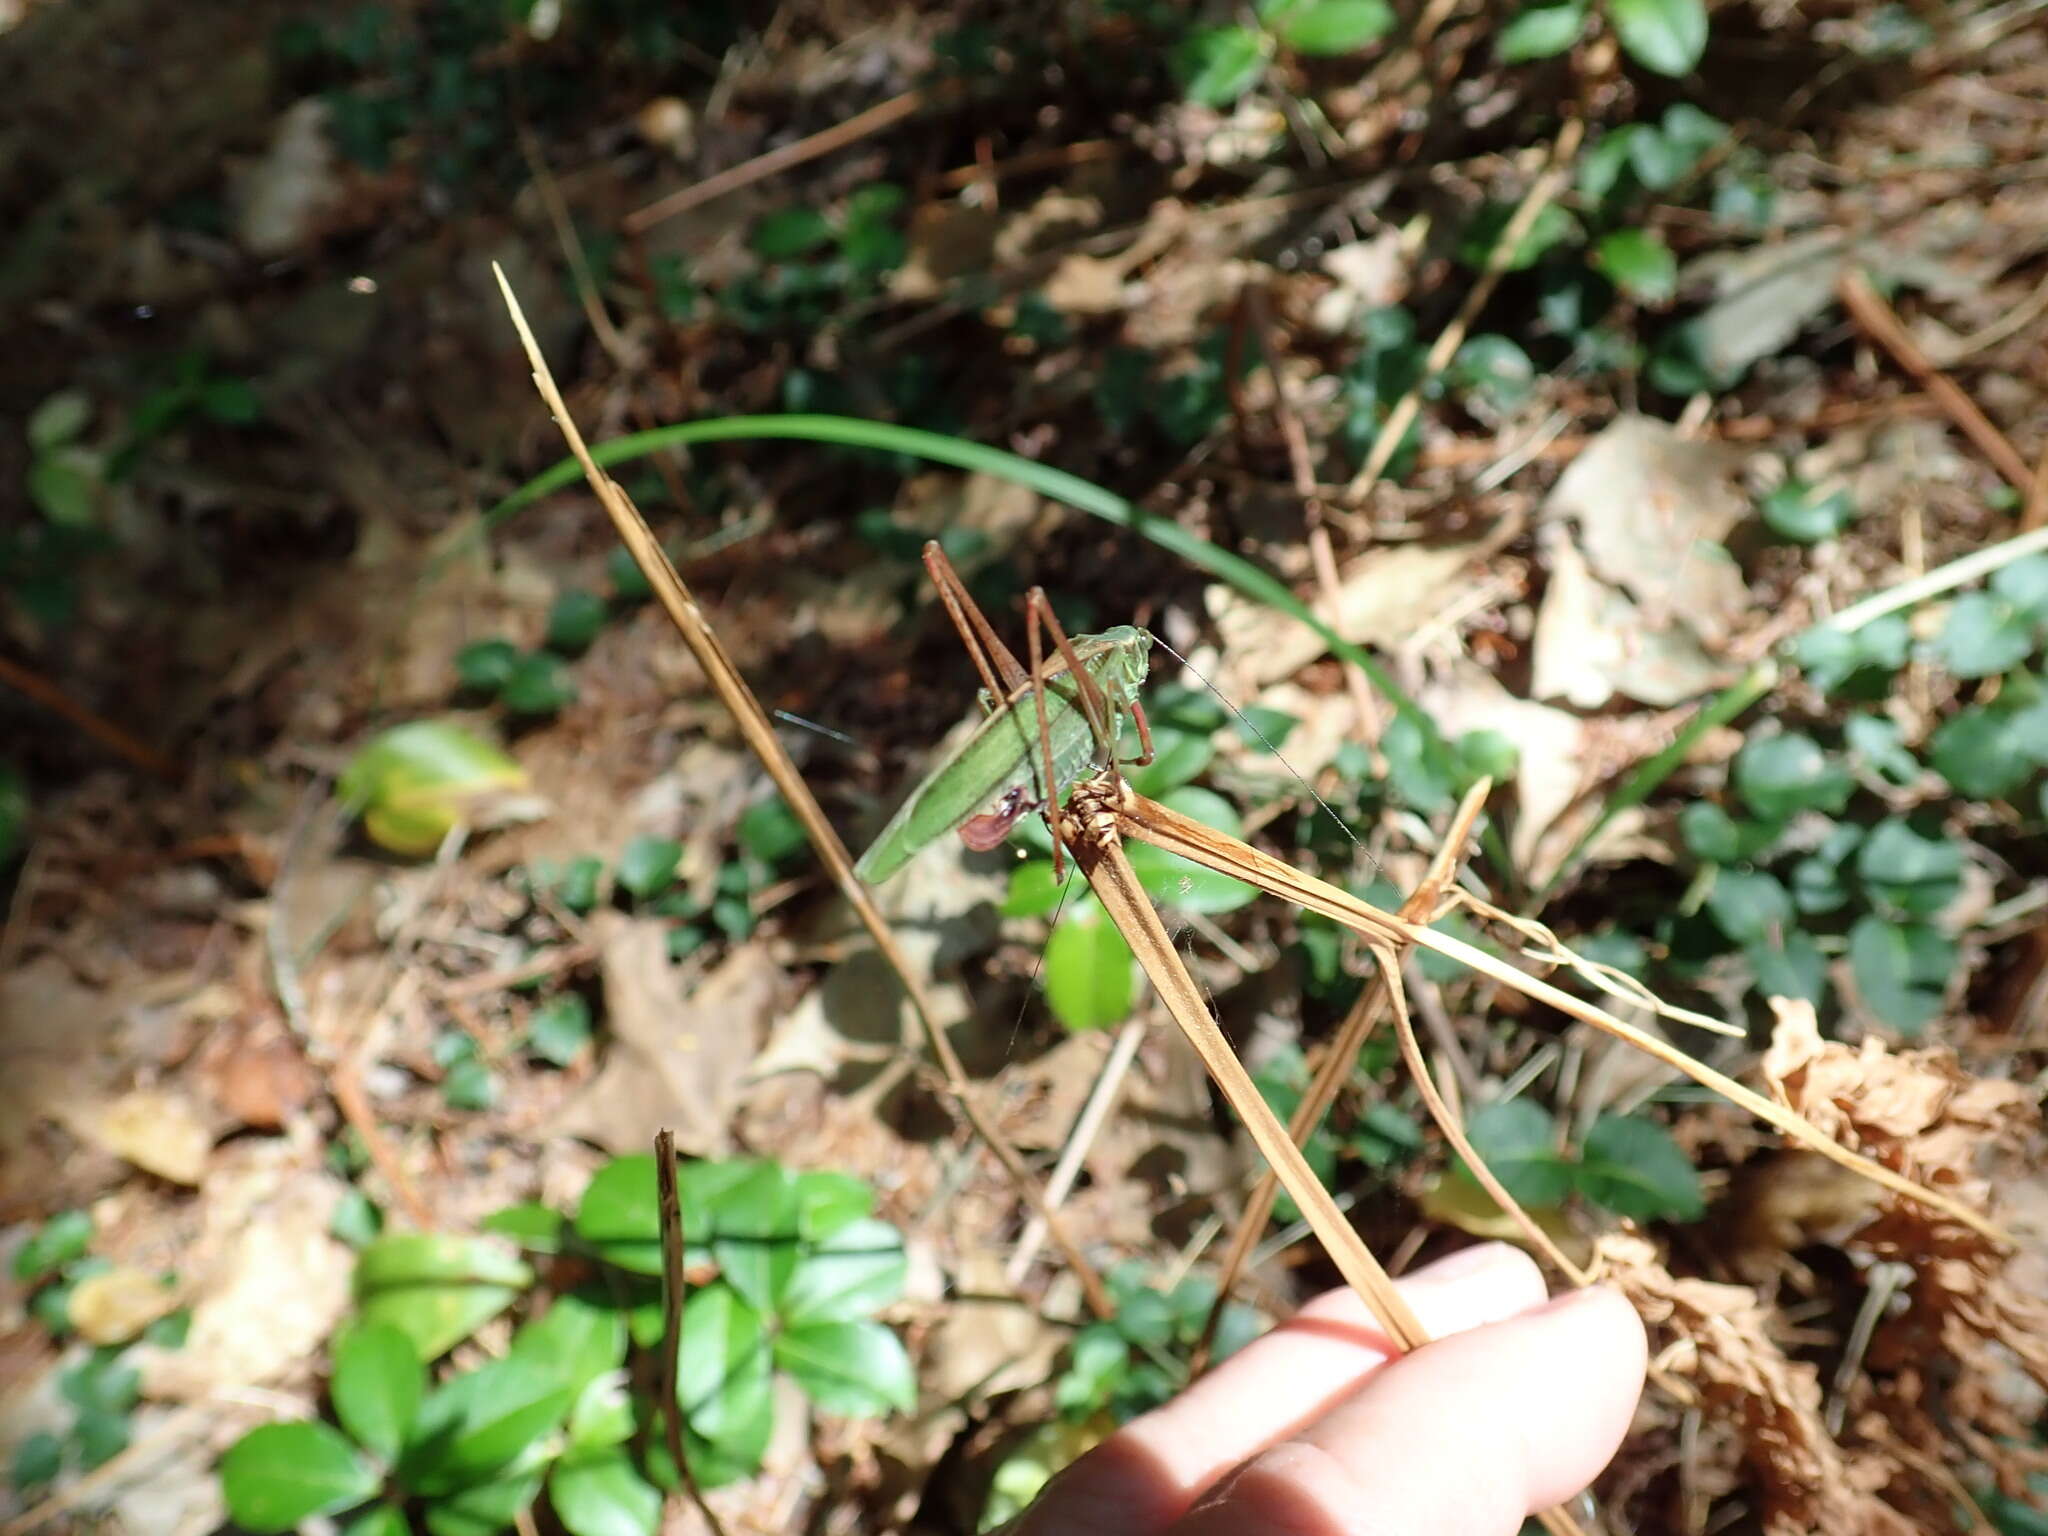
(1018, 760)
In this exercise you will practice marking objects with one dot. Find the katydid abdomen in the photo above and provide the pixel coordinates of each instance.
(998, 774)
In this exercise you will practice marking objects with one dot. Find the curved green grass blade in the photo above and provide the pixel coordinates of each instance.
(885, 437)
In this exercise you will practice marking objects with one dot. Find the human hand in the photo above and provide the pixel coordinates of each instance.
(1321, 1428)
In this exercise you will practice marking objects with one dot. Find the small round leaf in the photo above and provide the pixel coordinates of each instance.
(279, 1474)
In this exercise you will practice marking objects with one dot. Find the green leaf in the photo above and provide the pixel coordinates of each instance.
(1553, 227)
(1830, 657)
(1517, 1141)
(59, 419)
(1805, 514)
(233, 402)
(828, 1202)
(649, 864)
(1495, 370)
(1180, 882)
(1090, 975)
(1912, 874)
(1639, 263)
(789, 233)
(754, 1231)
(604, 1495)
(1178, 756)
(1327, 28)
(484, 665)
(484, 1509)
(603, 1414)
(856, 1369)
(1985, 635)
(578, 886)
(1710, 833)
(1486, 754)
(436, 1288)
(1878, 739)
(1793, 968)
(474, 1427)
(67, 485)
(559, 1029)
(1601, 170)
(64, 1237)
(1541, 32)
(848, 1276)
(1778, 776)
(377, 1386)
(535, 1227)
(1749, 907)
(620, 1214)
(1900, 970)
(1098, 1359)
(1219, 64)
(539, 684)
(37, 1461)
(2024, 584)
(724, 1370)
(1633, 1168)
(99, 1437)
(575, 1341)
(629, 582)
(469, 1085)
(1033, 891)
(101, 1383)
(1666, 37)
(381, 1520)
(1976, 751)
(1817, 883)
(412, 784)
(768, 829)
(279, 1474)
(574, 621)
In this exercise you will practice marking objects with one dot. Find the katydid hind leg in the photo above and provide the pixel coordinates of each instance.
(1034, 647)
(976, 633)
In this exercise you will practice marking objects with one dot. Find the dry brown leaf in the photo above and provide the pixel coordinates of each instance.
(159, 1130)
(1978, 1305)
(115, 1305)
(1652, 509)
(1592, 642)
(673, 1061)
(1718, 1338)
(268, 1281)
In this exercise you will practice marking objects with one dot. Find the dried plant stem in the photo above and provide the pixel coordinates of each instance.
(732, 690)
(1088, 825)
(41, 691)
(1335, 1068)
(883, 115)
(1867, 306)
(1139, 817)
(1540, 196)
(672, 1320)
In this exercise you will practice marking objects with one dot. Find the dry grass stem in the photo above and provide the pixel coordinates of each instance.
(1334, 1069)
(732, 690)
(1154, 823)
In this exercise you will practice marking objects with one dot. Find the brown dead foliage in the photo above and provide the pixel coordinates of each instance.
(1943, 1383)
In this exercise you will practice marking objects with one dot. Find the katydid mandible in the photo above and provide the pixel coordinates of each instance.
(1044, 729)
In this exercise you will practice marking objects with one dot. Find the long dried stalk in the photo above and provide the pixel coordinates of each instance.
(1334, 1068)
(732, 690)
(1089, 826)
(1136, 816)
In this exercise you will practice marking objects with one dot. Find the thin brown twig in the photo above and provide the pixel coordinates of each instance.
(732, 690)
(882, 115)
(672, 1321)
(1321, 555)
(1335, 1068)
(2035, 513)
(41, 691)
(588, 294)
(1539, 197)
(1869, 309)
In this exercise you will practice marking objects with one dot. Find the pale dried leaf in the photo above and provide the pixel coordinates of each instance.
(159, 1130)
(115, 1305)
